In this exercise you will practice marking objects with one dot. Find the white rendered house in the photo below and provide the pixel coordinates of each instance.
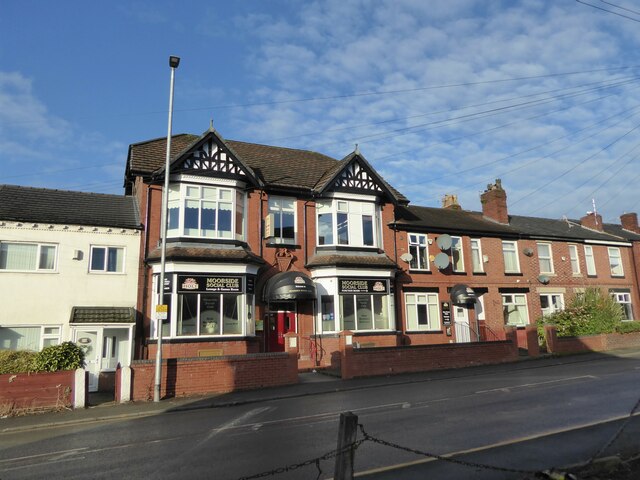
(68, 271)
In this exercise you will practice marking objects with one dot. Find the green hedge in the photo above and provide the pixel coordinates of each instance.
(66, 356)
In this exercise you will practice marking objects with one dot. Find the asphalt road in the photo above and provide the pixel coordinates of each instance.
(521, 418)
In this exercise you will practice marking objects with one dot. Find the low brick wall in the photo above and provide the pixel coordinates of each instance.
(188, 349)
(363, 362)
(589, 343)
(183, 377)
(40, 391)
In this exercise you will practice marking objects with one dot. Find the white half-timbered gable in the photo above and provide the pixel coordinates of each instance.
(358, 178)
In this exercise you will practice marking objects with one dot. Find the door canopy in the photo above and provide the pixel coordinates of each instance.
(289, 286)
(462, 295)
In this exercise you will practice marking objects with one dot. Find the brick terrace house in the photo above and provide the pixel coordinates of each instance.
(69, 272)
(467, 274)
(262, 241)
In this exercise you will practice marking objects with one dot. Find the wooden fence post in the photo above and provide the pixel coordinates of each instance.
(347, 433)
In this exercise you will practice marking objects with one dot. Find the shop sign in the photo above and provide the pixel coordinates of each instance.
(207, 283)
(363, 285)
(446, 313)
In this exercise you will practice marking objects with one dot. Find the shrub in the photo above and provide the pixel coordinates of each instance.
(16, 361)
(66, 356)
(628, 327)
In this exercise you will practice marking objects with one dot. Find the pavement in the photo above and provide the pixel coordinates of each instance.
(102, 407)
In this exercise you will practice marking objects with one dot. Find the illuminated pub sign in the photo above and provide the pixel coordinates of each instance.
(209, 283)
(363, 285)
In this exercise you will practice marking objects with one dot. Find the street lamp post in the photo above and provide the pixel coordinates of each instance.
(173, 63)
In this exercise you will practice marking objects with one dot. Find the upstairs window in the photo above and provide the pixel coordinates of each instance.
(589, 260)
(419, 251)
(107, 259)
(545, 260)
(27, 257)
(615, 262)
(457, 258)
(283, 214)
(476, 255)
(346, 222)
(510, 255)
(575, 261)
(205, 212)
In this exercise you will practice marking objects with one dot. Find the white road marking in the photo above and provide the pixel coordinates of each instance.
(529, 385)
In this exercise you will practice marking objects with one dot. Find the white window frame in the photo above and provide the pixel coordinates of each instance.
(590, 261)
(388, 299)
(574, 259)
(456, 245)
(506, 301)
(552, 308)
(418, 242)
(412, 300)
(355, 212)
(476, 252)
(545, 257)
(616, 270)
(178, 199)
(106, 249)
(39, 246)
(514, 251)
(624, 298)
(278, 211)
(56, 337)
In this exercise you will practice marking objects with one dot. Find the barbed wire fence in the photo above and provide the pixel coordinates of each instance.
(351, 448)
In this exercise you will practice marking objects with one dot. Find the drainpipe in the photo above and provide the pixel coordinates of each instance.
(260, 223)
(145, 245)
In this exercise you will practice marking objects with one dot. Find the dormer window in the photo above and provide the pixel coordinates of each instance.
(205, 211)
(347, 222)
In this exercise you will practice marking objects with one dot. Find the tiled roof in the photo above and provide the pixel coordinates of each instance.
(346, 259)
(146, 157)
(618, 231)
(448, 221)
(195, 253)
(29, 204)
(103, 315)
(565, 229)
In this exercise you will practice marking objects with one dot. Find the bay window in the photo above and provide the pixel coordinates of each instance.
(346, 222)
(364, 312)
(209, 314)
(205, 211)
(27, 256)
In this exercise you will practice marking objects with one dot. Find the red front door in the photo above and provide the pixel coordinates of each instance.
(280, 322)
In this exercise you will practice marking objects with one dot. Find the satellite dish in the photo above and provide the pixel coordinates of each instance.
(441, 261)
(406, 257)
(444, 241)
(543, 279)
(528, 252)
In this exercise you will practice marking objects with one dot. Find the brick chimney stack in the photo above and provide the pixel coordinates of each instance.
(494, 203)
(593, 221)
(629, 222)
(450, 201)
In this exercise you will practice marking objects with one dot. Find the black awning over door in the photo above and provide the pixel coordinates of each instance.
(289, 286)
(463, 295)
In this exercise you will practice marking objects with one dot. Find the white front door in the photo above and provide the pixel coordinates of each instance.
(90, 341)
(461, 320)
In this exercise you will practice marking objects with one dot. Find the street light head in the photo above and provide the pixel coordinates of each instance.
(174, 61)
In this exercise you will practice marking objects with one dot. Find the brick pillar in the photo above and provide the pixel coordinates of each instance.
(346, 353)
(533, 348)
(551, 336)
(291, 343)
(511, 335)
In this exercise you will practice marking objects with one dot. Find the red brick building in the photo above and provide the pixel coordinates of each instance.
(265, 240)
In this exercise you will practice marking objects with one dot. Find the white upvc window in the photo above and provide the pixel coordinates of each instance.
(624, 300)
(28, 257)
(575, 260)
(423, 311)
(551, 303)
(615, 262)
(457, 257)
(283, 211)
(29, 337)
(476, 255)
(347, 222)
(545, 258)
(510, 255)
(514, 309)
(419, 250)
(205, 211)
(589, 260)
(106, 259)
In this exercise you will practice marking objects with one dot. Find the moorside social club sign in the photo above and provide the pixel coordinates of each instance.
(208, 283)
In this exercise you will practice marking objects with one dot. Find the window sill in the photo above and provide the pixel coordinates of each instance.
(201, 339)
(480, 273)
(513, 274)
(291, 246)
(421, 272)
(425, 332)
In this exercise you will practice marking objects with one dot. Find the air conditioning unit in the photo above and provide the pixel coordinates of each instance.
(269, 226)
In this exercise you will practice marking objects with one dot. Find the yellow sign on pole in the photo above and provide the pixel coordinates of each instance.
(161, 312)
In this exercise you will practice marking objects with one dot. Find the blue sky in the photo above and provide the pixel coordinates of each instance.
(441, 96)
